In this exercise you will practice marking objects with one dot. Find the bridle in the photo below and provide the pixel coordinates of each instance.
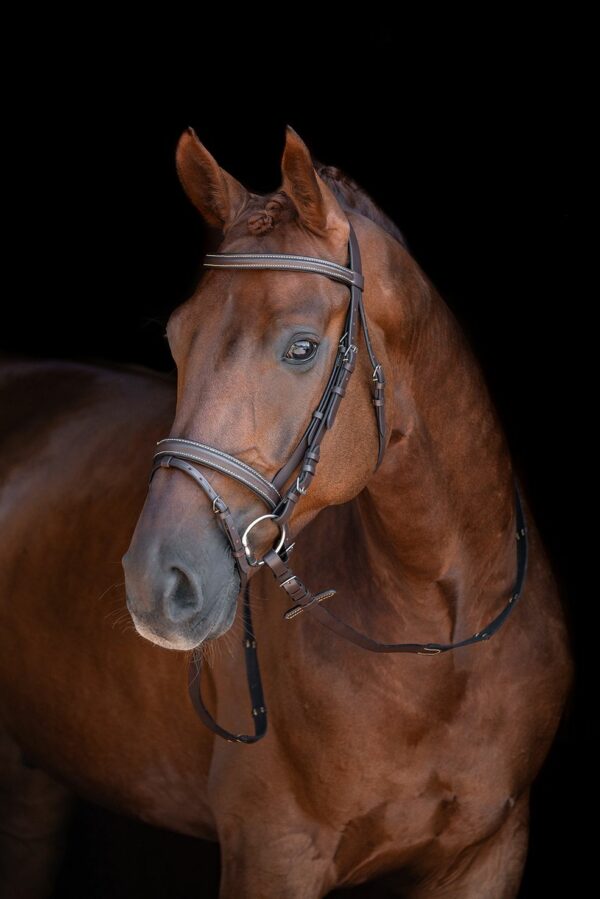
(186, 455)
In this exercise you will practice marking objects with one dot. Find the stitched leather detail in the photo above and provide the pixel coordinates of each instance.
(238, 477)
(218, 452)
(285, 261)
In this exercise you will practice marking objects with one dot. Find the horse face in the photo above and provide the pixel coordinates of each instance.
(253, 350)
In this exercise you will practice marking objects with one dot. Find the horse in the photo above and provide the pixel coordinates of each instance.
(412, 767)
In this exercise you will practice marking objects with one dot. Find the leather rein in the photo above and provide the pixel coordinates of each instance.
(186, 455)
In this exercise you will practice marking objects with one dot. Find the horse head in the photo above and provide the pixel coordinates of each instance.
(253, 349)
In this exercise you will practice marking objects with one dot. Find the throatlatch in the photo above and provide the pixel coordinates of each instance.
(185, 455)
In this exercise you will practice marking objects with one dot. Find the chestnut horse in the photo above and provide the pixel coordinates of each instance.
(411, 766)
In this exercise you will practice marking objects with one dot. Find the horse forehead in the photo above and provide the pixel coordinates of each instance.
(254, 299)
(288, 236)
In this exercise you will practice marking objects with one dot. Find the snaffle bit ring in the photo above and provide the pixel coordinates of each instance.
(249, 554)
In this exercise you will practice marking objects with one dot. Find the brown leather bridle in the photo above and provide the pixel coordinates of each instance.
(185, 455)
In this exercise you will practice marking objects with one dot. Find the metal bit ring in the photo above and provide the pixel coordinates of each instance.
(249, 554)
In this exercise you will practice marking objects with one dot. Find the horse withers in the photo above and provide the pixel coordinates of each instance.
(415, 766)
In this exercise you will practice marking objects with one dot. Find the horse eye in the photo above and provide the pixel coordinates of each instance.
(302, 350)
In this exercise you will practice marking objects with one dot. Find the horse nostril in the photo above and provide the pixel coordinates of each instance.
(182, 597)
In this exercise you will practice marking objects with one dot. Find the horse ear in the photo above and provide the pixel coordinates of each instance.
(318, 209)
(215, 194)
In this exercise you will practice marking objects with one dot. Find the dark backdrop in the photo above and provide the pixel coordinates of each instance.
(476, 152)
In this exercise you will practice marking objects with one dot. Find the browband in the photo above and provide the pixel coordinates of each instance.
(286, 262)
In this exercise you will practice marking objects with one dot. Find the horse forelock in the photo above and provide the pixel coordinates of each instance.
(263, 214)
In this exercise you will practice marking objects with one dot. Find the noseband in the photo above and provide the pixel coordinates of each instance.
(186, 455)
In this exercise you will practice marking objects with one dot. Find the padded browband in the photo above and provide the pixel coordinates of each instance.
(286, 262)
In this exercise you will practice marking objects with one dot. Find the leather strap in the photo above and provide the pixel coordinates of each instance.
(220, 461)
(259, 712)
(378, 385)
(300, 595)
(286, 262)
(307, 452)
(326, 618)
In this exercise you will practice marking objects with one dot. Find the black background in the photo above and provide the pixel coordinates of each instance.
(475, 150)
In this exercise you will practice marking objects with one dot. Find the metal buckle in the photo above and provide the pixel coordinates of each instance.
(349, 350)
(249, 554)
(302, 490)
(294, 577)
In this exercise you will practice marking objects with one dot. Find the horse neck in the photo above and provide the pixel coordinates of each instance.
(438, 516)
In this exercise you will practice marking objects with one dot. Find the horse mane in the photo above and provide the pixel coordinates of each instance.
(352, 197)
